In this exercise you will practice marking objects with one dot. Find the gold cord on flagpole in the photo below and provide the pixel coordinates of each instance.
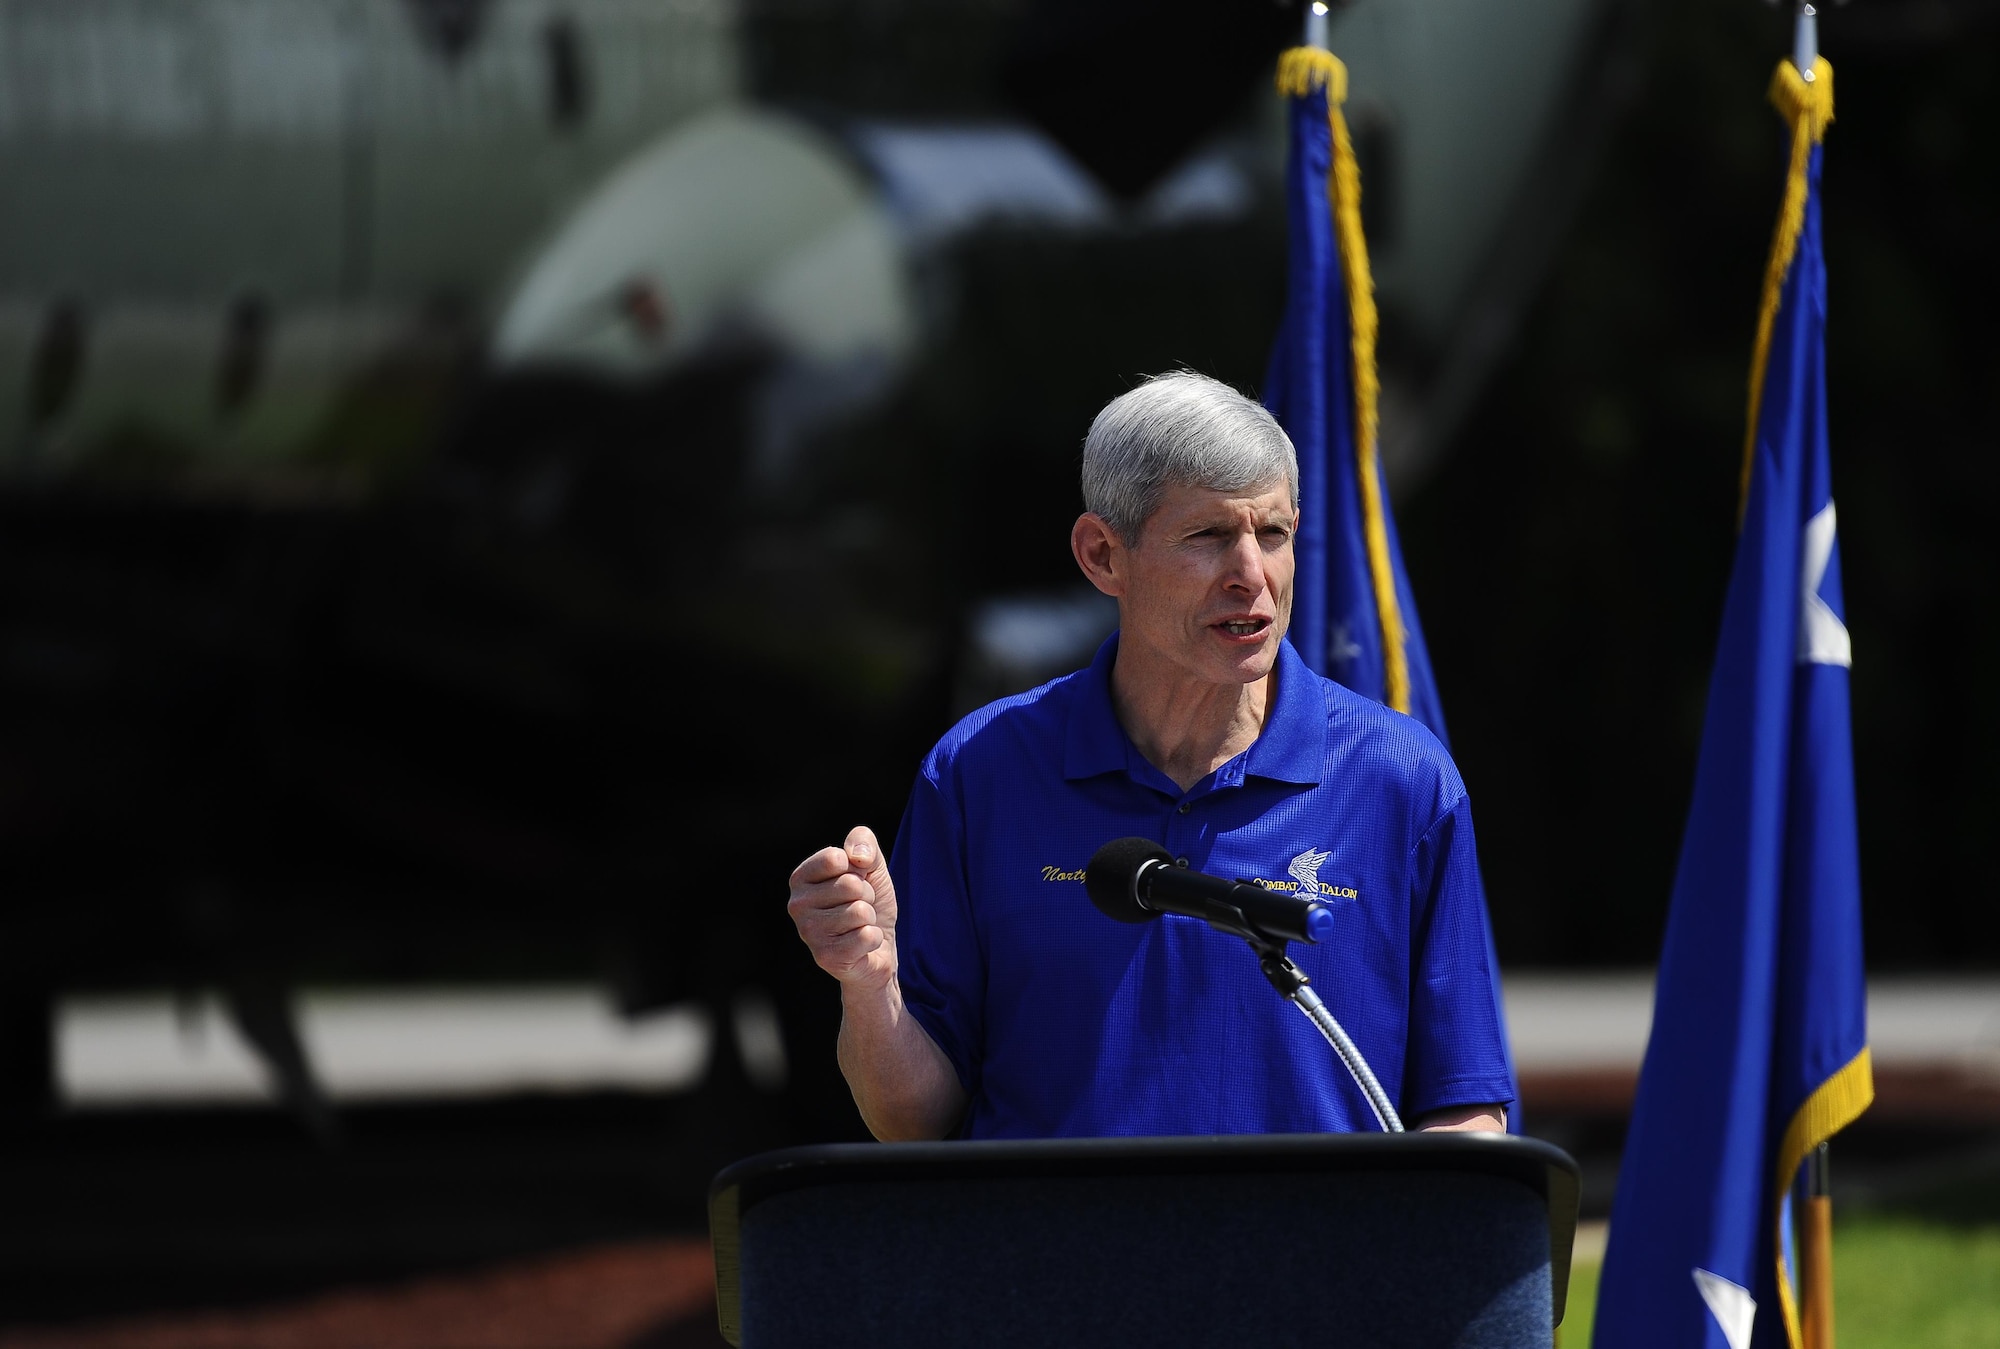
(1808, 107)
(1300, 71)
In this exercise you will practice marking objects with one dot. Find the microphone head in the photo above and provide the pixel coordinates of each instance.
(1319, 923)
(1108, 877)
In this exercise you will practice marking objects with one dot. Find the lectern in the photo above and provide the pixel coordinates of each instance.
(1310, 1239)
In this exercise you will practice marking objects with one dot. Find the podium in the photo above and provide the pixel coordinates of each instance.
(1306, 1239)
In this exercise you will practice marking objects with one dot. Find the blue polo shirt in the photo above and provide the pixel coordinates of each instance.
(1062, 1022)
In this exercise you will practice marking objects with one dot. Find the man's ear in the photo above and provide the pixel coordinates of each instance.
(1099, 552)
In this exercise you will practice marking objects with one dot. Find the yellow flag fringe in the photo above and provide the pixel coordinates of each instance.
(1808, 107)
(1834, 1104)
(1300, 71)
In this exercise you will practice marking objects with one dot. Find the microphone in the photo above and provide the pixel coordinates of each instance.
(1135, 880)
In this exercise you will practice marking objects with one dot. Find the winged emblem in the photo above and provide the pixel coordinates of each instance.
(1305, 868)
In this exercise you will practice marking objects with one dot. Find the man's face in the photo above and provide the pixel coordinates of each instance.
(1209, 584)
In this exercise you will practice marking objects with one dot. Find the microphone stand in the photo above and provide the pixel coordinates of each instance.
(1292, 985)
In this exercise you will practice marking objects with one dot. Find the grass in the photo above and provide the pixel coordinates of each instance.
(1903, 1281)
(1574, 1332)
(1898, 1281)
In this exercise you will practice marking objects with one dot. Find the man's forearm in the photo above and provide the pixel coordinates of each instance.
(1465, 1119)
(905, 1087)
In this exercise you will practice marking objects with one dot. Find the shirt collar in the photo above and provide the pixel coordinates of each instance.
(1290, 748)
(1292, 745)
(1096, 742)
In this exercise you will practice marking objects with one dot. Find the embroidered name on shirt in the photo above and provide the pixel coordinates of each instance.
(1317, 888)
(1321, 888)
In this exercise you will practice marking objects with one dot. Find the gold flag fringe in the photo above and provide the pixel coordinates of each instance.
(1833, 1105)
(1808, 107)
(1300, 71)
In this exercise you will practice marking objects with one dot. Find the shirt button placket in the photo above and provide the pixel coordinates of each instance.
(1177, 830)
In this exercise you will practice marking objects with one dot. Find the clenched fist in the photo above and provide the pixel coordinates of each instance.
(845, 908)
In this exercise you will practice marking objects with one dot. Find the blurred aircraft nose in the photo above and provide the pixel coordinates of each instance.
(744, 225)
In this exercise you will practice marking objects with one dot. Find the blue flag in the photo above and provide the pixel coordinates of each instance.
(1353, 618)
(1759, 1045)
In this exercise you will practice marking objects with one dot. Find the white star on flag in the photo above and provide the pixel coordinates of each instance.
(1822, 636)
(1730, 1304)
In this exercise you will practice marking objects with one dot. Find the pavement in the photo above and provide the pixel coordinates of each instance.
(1578, 1042)
(1935, 1040)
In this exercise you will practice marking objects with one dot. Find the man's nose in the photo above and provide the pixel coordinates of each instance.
(1244, 566)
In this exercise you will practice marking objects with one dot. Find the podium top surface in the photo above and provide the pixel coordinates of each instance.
(1542, 1168)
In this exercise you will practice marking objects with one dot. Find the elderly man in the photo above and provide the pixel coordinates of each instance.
(984, 996)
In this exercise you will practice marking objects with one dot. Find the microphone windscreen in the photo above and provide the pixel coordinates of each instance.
(1108, 877)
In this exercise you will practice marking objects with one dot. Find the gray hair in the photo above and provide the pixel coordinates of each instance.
(1179, 429)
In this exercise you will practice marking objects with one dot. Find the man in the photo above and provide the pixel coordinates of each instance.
(983, 995)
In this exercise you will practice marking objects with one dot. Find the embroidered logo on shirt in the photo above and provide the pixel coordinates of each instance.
(1304, 873)
(1305, 868)
(1058, 874)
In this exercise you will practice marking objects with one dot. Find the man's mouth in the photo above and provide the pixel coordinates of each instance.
(1244, 627)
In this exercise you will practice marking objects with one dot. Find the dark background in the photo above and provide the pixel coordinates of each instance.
(1571, 556)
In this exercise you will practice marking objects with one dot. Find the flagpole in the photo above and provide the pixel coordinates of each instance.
(1815, 1231)
(1316, 25)
(1815, 1235)
(1816, 1227)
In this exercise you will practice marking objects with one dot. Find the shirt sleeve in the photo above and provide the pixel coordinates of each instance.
(1458, 1047)
(941, 963)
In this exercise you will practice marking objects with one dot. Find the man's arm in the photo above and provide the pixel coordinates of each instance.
(1465, 1119)
(844, 906)
(1458, 1033)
